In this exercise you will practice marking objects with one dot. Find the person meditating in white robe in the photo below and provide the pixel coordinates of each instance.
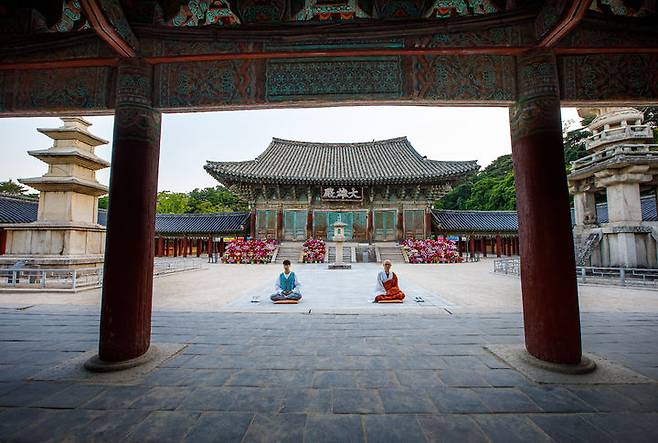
(387, 285)
(287, 285)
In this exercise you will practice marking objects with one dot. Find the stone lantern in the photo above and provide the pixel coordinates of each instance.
(339, 239)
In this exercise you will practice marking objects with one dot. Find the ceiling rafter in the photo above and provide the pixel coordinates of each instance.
(105, 25)
(572, 14)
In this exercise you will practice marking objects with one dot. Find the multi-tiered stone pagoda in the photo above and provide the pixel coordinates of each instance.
(622, 163)
(66, 233)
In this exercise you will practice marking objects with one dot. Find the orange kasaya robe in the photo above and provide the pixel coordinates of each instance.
(392, 290)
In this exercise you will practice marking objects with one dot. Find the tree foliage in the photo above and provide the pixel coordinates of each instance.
(492, 189)
(11, 187)
(214, 199)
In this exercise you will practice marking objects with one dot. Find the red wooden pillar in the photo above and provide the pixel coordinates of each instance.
(485, 244)
(166, 247)
(252, 223)
(309, 223)
(471, 247)
(370, 225)
(279, 224)
(184, 254)
(427, 227)
(199, 245)
(125, 326)
(222, 246)
(548, 272)
(209, 247)
(175, 247)
(3, 241)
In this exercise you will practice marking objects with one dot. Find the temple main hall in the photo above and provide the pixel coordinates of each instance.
(383, 190)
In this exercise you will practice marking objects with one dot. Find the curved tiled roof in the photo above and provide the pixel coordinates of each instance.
(17, 208)
(475, 221)
(208, 223)
(21, 209)
(383, 161)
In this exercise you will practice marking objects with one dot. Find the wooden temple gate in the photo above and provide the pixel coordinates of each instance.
(133, 63)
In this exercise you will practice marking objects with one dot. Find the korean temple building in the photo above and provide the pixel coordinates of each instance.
(383, 190)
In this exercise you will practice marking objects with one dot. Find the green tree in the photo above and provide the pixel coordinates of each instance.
(102, 202)
(172, 203)
(215, 199)
(11, 187)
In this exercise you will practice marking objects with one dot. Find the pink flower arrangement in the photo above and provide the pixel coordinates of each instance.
(249, 251)
(314, 251)
(431, 251)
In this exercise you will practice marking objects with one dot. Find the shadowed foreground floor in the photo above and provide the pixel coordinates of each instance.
(295, 377)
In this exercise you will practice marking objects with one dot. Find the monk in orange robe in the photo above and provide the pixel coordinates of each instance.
(387, 285)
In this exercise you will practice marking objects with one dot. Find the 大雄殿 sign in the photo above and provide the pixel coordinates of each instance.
(342, 193)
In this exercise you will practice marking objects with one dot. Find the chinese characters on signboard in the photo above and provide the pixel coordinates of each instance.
(342, 193)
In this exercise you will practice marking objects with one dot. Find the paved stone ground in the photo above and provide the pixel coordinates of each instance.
(340, 291)
(295, 377)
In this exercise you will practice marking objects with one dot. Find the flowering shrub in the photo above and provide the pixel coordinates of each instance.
(249, 251)
(314, 251)
(431, 251)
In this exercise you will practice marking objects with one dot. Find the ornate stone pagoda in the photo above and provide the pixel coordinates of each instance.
(383, 190)
(66, 233)
(622, 163)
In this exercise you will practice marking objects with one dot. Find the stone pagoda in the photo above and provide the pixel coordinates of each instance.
(622, 163)
(66, 233)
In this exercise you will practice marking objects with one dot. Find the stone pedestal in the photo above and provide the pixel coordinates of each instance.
(66, 233)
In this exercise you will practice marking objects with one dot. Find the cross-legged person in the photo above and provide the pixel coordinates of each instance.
(387, 285)
(287, 285)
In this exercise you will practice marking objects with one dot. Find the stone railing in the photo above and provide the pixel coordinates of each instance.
(590, 274)
(618, 134)
(510, 266)
(648, 151)
(48, 279)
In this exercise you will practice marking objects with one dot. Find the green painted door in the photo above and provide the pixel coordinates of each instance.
(414, 221)
(266, 223)
(294, 225)
(345, 217)
(384, 225)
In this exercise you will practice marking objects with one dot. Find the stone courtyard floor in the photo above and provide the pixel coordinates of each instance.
(362, 373)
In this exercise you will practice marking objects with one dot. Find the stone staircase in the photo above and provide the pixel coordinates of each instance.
(390, 251)
(289, 251)
(584, 251)
(347, 254)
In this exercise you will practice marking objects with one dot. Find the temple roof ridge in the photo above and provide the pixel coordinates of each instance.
(392, 161)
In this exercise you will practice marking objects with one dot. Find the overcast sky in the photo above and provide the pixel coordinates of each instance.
(189, 139)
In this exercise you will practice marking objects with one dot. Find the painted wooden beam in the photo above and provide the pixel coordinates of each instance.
(572, 13)
(107, 19)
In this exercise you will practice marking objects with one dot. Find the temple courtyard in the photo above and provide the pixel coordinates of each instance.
(348, 370)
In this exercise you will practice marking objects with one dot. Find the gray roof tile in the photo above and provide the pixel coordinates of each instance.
(383, 161)
(209, 223)
(17, 209)
(475, 221)
(20, 209)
